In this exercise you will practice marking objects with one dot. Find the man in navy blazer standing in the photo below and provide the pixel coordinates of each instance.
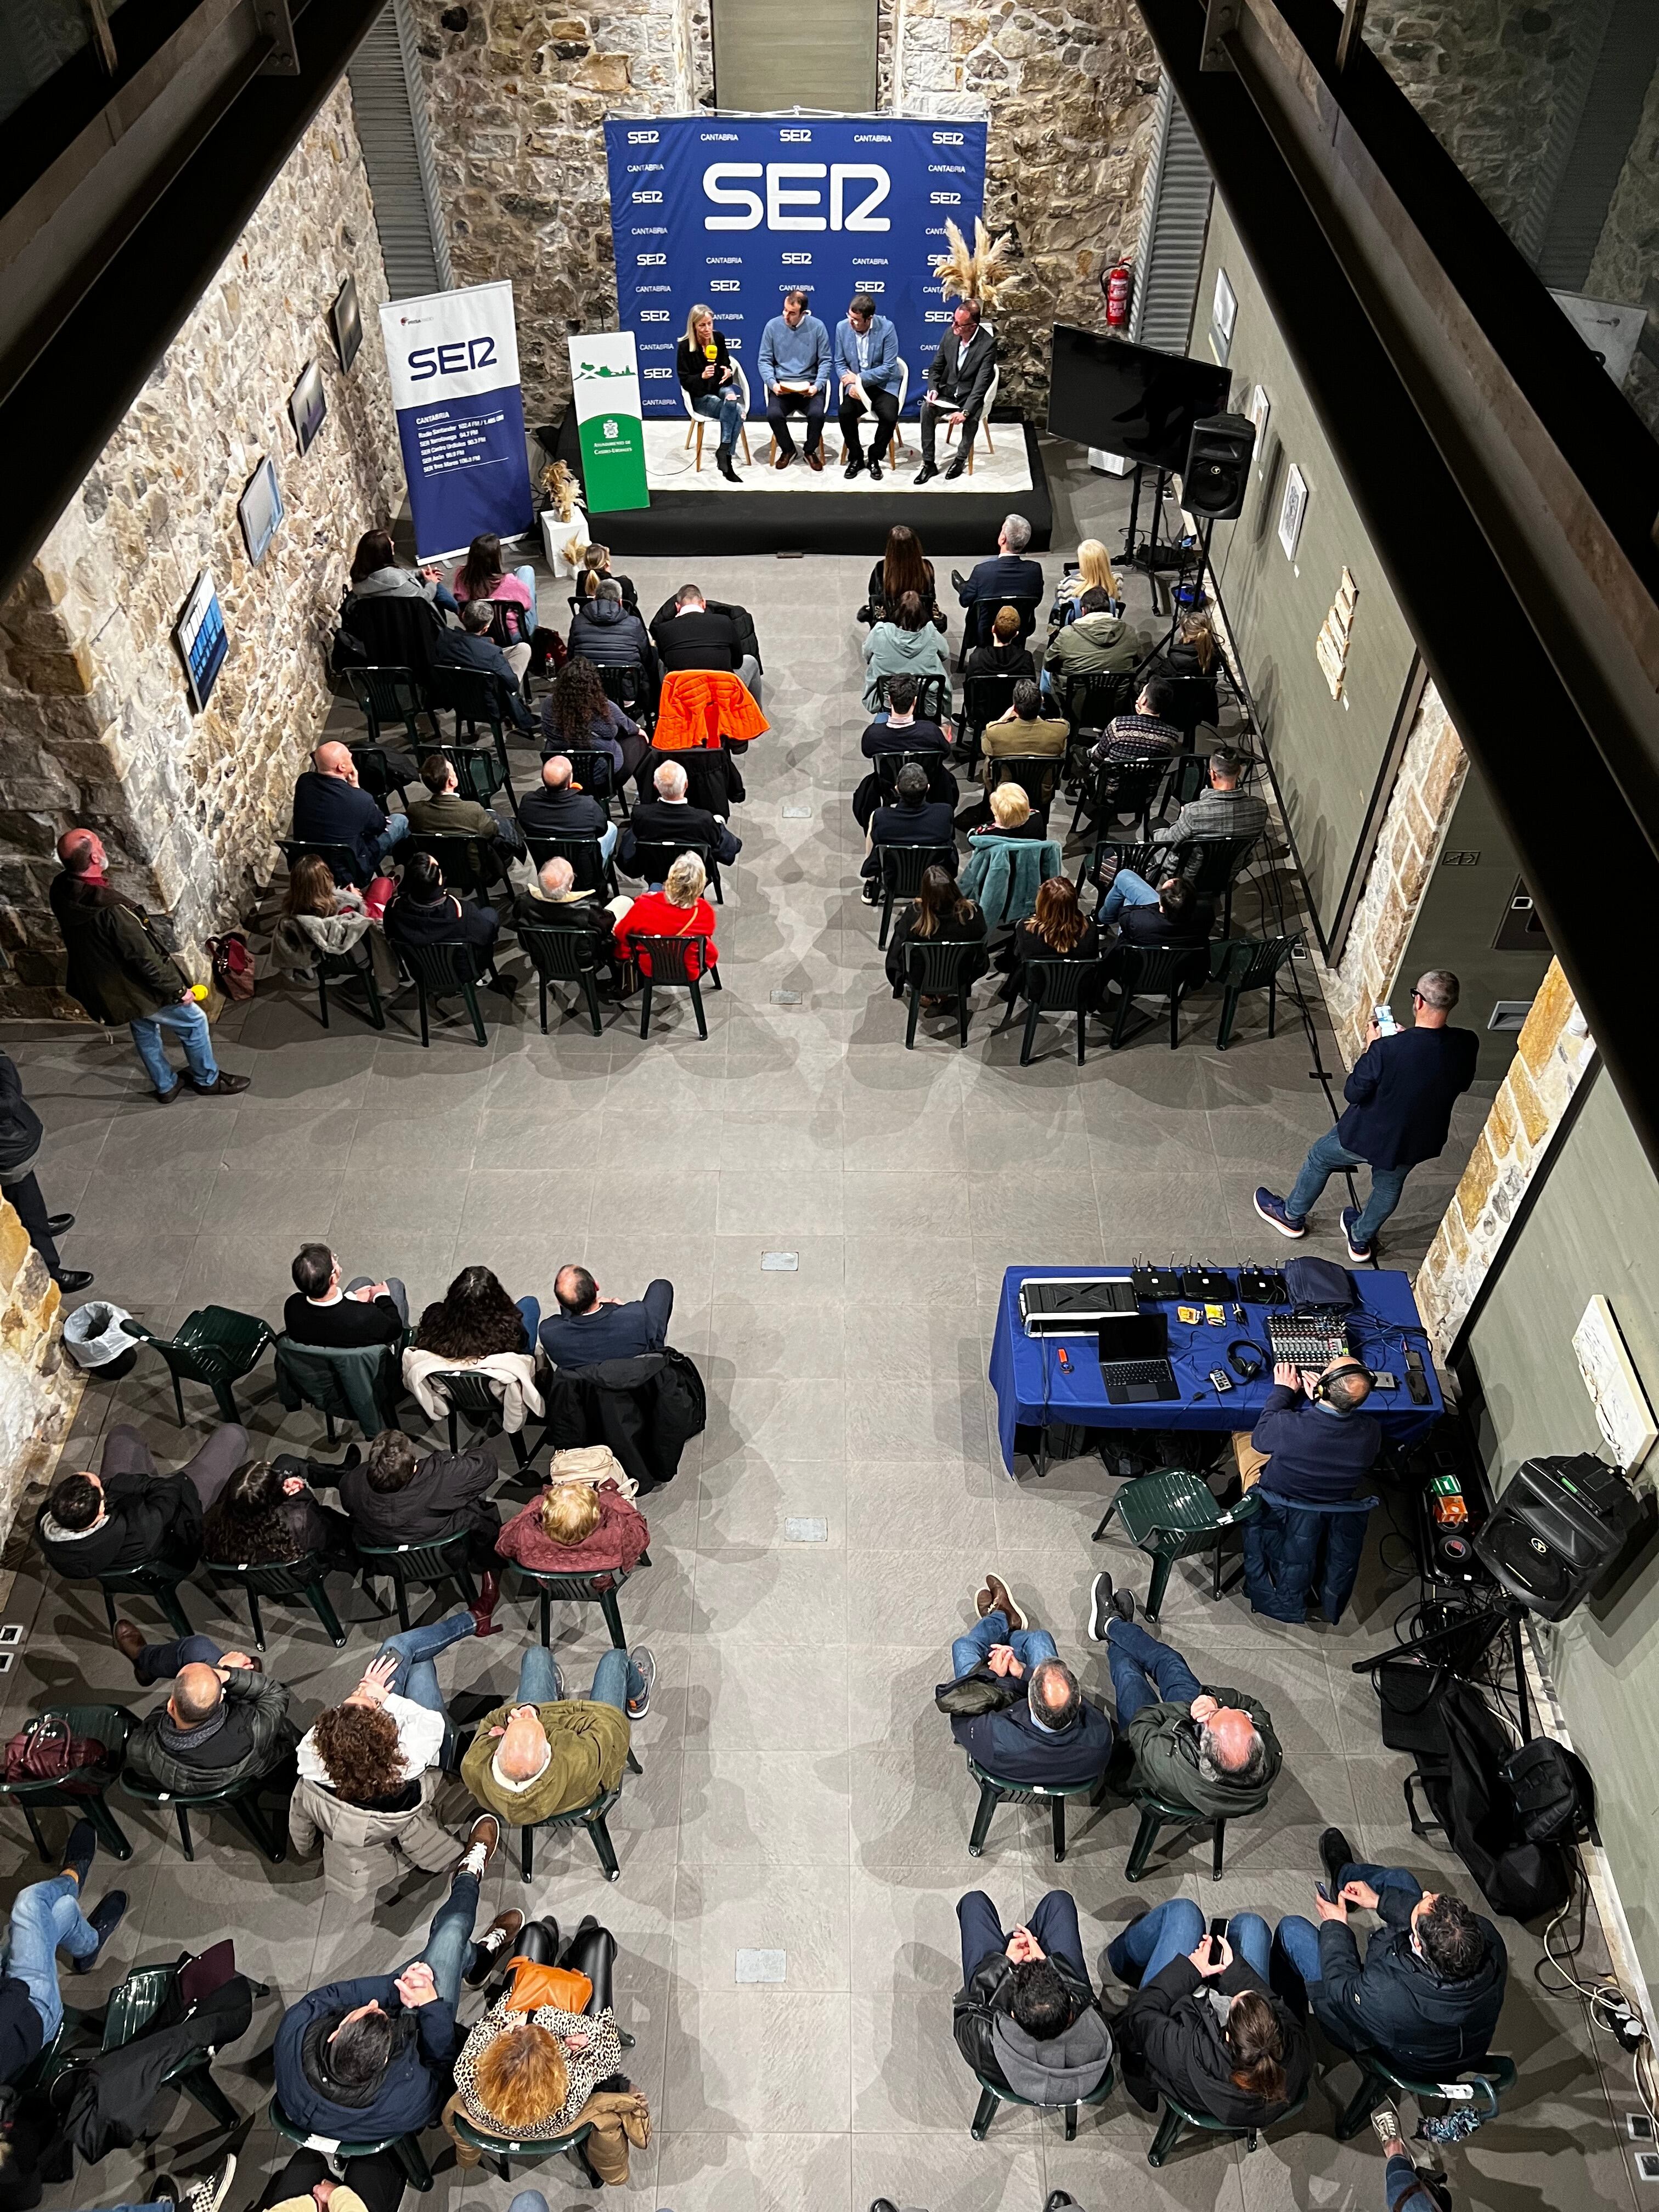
(867, 375)
(1400, 1098)
(588, 1328)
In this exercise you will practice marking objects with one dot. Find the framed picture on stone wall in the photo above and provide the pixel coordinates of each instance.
(1224, 314)
(260, 510)
(200, 636)
(308, 404)
(347, 318)
(1294, 507)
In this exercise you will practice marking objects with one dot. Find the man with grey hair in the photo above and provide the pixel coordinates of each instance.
(1211, 1749)
(1016, 1707)
(1010, 577)
(560, 808)
(555, 903)
(670, 819)
(1400, 1096)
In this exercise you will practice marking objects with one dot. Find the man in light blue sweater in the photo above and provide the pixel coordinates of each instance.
(794, 372)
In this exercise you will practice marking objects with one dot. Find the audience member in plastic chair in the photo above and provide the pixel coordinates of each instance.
(46, 1917)
(401, 1680)
(1050, 1737)
(225, 1723)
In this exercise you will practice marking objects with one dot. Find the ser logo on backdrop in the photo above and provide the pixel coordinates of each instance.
(794, 200)
(456, 359)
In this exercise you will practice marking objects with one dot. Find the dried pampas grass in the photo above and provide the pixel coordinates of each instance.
(963, 275)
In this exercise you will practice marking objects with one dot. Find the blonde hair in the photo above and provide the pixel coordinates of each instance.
(596, 563)
(686, 881)
(1095, 569)
(1010, 806)
(521, 2077)
(570, 1511)
(1198, 631)
(694, 318)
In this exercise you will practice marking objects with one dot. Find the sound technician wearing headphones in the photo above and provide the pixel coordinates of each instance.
(1307, 1454)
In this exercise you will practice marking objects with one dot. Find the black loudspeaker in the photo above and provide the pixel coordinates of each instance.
(1217, 471)
(1557, 1529)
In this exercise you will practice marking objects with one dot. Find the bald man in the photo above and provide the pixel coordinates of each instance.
(225, 1722)
(329, 809)
(1212, 1749)
(119, 973)
(548, 1754)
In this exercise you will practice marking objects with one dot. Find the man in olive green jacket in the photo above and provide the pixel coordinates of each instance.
(548, 1754)
(121, 973)
(1098, 643)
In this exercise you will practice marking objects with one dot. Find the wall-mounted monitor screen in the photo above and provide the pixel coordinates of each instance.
(260, 510)
(347, 318)
(308, 404)
(1129, 399)
(199, 635)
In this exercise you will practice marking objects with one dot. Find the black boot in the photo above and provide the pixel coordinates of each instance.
(723, 463)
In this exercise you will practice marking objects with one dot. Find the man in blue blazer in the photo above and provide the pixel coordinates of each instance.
(867, 376)
(588, 1328)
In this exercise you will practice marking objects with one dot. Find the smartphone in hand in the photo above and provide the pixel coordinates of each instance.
(1217, 1936)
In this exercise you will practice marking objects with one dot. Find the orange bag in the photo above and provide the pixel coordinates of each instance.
(534, 1986)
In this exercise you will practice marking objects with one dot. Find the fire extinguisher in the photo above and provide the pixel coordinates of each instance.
(1117, 287)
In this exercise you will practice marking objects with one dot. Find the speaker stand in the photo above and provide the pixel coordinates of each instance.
(1498, 1608)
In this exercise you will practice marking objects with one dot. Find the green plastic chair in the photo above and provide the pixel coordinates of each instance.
(1158, 1813)
(592, 1816)
(425, 1565)
(1178, 2119)
(406, 2149)
(499, 2151)
(241, 1801)
(1172, 1515)
(129, 2011)
(1247, 964)
(993, 1793)
(1478, 2087)
(993, 2093)
(578, 1589)
(159, 1584)
(300, 1577)
(81, 1790)
(216, 1345)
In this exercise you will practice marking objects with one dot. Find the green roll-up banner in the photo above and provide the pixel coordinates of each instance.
(606, 378)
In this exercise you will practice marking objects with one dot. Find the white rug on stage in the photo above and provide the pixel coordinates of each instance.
(669, 462)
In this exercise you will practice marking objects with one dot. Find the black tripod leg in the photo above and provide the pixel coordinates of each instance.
(1518, 1647)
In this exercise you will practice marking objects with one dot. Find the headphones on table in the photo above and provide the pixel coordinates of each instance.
(1247, 1361)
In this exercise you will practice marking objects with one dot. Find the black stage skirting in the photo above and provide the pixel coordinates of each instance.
(951, 517)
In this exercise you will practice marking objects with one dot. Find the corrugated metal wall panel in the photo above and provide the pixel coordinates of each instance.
(1175, 221)
(389, 97)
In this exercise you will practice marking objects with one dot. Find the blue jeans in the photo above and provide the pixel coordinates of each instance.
(45, 1917)
(528, 2200)
(616, 1679)
(1171, 1931)
(723, 407)
(1127, 889)
(448, 1949)
(188, 1024)
(1053, 1923)
(416, 1648)
(160, 1663)
(1326, 1155)
(397, 829)
(1031, 1646)
(530, 1317)
(1145, 1672)
(527, 576)
(1298, 1939)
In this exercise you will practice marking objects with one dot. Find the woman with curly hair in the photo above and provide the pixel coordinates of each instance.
(477, 1324)
(527, 2075)
(266, 1513)
(577, 715)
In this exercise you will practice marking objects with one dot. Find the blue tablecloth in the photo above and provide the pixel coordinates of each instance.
(1031, 1390)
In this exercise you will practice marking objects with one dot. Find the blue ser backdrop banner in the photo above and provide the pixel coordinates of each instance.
(738, 212)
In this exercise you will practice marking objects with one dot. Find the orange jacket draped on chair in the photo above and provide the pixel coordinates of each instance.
(701, 705)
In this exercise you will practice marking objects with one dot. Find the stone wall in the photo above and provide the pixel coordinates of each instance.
(1554, 1054)
(95, 725)
(1056, 80)
(40, 1385)
(1626, 264)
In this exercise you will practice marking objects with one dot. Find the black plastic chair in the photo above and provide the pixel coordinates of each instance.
(580, 1589)
(442, 971)
(1137, 856)
(993, 2093)
(1036, 773)
(158, 1584)
(358, 1383)
(300, 1577)
(1183, 2119)
(477, 775)
(591, 1816)
(1117, 787)
(890, 766)
(712, 781)
(933, 697)
(1153, 971)
(1057, 985)
(394, 698)
(465, 870)
(1221, 862)
(629, 688)
(1091, 701)
(349, 967)
(976, 621)
(406, 2149)
(940, 971)
(1477, 2089)
(903, 868)
(464, 1391)
(670, 970)
(596, 772)
(651, 862)
(1245, 963)
(377, 773)
(241, 1801)
(425, 1565)
(472, 696)
(341, 862)
(1158, 1813)
(984, 699)
(82, 1789)
(563, 956)
(591, 870)
(216, 1345)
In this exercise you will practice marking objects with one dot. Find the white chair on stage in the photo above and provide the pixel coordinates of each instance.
(700, 422)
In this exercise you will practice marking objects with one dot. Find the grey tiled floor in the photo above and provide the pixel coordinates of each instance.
(799, 1791)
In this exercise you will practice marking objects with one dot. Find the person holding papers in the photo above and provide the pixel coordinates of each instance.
(867, 372)
(794, 372)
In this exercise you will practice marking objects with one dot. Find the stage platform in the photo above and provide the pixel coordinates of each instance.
(795, 511)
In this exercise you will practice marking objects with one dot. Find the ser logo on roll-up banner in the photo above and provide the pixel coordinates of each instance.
(735, 213)
(454, 358)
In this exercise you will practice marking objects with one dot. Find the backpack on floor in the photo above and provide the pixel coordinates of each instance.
(233, 964)
(1471, 1800)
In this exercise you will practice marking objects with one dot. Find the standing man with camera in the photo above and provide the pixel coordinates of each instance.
(1399, 1096)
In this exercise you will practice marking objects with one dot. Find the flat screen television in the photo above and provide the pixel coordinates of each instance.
(260, 510)
(347, 319)
(308, 404)
(1129, 399)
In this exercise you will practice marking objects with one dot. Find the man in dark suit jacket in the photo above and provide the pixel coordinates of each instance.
(1047, 1735)
(916, 820)
(670, 819)
(588, 1328)
(1002, 581)
(129, 1515)
(330, 809)
(470, 646)
(398, 1496)
(688, 633)
(900, 731)
(958, 384)
(561, 809)
(555, 903)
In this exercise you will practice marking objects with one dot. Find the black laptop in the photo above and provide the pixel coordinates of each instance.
(1134, 1363)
